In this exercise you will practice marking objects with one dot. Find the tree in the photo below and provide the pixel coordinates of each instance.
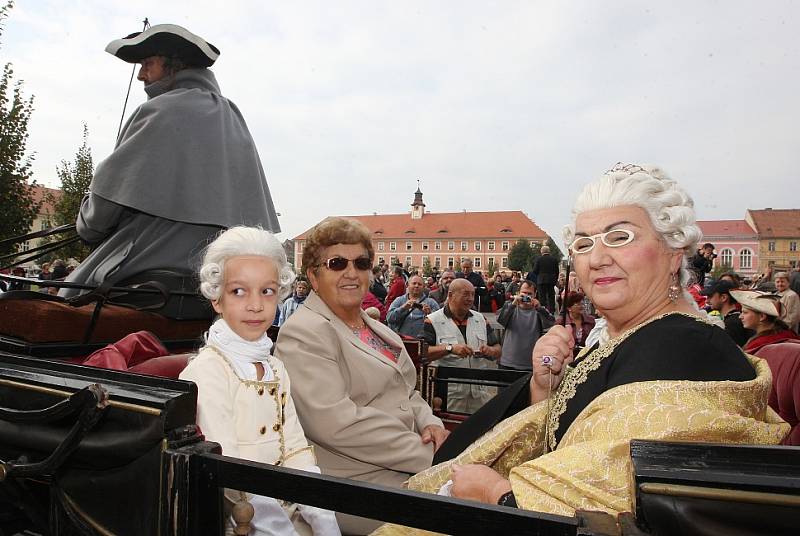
(519, 257)
(18, 206)
(555, 251)
(427, 270)
(491, 269)
(75, 180)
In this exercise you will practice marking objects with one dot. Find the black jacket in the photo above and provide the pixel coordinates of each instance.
(544, 271)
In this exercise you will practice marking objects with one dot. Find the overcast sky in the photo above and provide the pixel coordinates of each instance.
(492, 105)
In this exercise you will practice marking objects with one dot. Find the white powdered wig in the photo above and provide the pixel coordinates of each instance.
(670, 208)
(238, 242)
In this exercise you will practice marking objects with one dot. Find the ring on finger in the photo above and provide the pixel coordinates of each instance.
(548, 360)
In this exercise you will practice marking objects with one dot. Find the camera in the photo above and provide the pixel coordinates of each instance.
(713, 255)
(524, 298)
(417, 305)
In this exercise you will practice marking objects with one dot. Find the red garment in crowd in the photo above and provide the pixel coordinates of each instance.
(396, 289)
(783, 356)
(370, 300)
(699, 299)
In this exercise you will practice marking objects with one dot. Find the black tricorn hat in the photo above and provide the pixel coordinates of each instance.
(165, 40)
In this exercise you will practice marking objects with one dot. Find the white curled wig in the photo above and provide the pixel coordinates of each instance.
(237, 242)
(670, 208)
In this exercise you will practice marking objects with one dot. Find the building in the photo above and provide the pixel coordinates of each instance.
(736, 244)
(44, 219)
(778, 235)
(443, 239)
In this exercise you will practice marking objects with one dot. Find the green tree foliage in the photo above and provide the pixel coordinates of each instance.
(18, 207)
(554, 249)
(519, 257)
(75, 179)
(491, 269)
(427, 269)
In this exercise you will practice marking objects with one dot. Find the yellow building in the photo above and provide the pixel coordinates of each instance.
(778, 236)
(44, 219)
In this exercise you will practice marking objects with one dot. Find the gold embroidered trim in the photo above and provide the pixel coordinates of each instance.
(277, 394)
(577, 375)
(295, 452)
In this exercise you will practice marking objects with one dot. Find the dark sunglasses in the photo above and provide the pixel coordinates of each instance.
(337, 264)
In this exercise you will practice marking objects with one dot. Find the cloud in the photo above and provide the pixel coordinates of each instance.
(507, 105)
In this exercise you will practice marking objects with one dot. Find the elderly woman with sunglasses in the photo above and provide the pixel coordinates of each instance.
(353, 382)
(632, 233)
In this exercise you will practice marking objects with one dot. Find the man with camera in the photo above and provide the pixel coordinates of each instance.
(524, 320)
(407, 312)
(702, 262)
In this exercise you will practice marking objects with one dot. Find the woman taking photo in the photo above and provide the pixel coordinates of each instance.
(659, 371)
(353, 382)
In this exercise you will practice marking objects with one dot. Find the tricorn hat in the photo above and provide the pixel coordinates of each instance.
(761, 302)
(165, 40)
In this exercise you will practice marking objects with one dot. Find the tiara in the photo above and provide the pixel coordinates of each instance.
(628, 169)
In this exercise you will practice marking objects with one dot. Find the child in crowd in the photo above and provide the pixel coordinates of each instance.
(244, 401)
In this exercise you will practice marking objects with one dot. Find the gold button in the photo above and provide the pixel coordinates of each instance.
(272, 391)
(260, 391)
(263, 430)
(276, 426)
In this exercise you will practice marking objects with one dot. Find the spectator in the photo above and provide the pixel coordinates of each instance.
(396, 288)
(458, 337)
(45, 274)
(512, 288)
(290, 304)
(440, 294)
(376, 287)
(702, 262)
(790, 301)
(477, 282)
(496, 296)
(582, 324)
(407, 313)
(733, 278)
(524, 321)
(794, 280)
(720, 299)
(545, 274)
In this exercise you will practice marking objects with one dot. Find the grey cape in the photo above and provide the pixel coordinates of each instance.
(184, 167)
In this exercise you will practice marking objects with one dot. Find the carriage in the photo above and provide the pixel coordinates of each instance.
(89, 450)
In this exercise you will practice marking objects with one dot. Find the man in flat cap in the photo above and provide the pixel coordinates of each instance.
(184, 167)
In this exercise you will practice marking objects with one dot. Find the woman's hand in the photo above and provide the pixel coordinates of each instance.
(478, 483)
(435, 434)
(556, 344)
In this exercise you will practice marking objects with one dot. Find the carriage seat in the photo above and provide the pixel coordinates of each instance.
(784, 362)
(140, 352)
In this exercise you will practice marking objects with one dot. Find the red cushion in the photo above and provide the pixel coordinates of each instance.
(167, 366)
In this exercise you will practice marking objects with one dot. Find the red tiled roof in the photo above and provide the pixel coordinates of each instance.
(450, 225)
(777, 223)
(39, 195)
(731, 228)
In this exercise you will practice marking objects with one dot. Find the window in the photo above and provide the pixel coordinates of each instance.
(477, 246)
(408, 261)
(424, 246)
(490, 262)
(477, 262)
(301, 246)
(437, 262)
(393, 260)
(504, 245)
(490, 245)
(463, 246)
(437, 245)
(392, 246)
(451, 246)
(409, 245)
(380, 246)
(771, 246)
(726, 257)
(504, 262)
(26, 245)
(533, 243)
(45, 224)
(792, 246)
(450, 262)
(381, 260)
(426, 260)
(745, 258)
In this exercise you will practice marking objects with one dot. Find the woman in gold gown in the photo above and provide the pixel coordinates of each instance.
(659, 371)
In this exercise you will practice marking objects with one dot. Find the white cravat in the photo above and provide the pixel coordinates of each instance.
(242, 354)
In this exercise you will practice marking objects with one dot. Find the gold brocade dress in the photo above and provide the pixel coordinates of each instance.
(589, 467)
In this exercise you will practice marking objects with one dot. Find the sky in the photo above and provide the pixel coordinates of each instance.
(490, 105)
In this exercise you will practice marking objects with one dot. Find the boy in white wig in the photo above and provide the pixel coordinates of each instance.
(244, 401)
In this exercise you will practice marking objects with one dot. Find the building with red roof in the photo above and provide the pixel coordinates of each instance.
(778, 234)
(443, 239)
(736, 244)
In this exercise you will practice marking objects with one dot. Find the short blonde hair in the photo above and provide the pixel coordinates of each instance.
(332, 231)
(237, 242)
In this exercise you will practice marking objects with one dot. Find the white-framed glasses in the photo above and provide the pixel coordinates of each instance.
(614, 238)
